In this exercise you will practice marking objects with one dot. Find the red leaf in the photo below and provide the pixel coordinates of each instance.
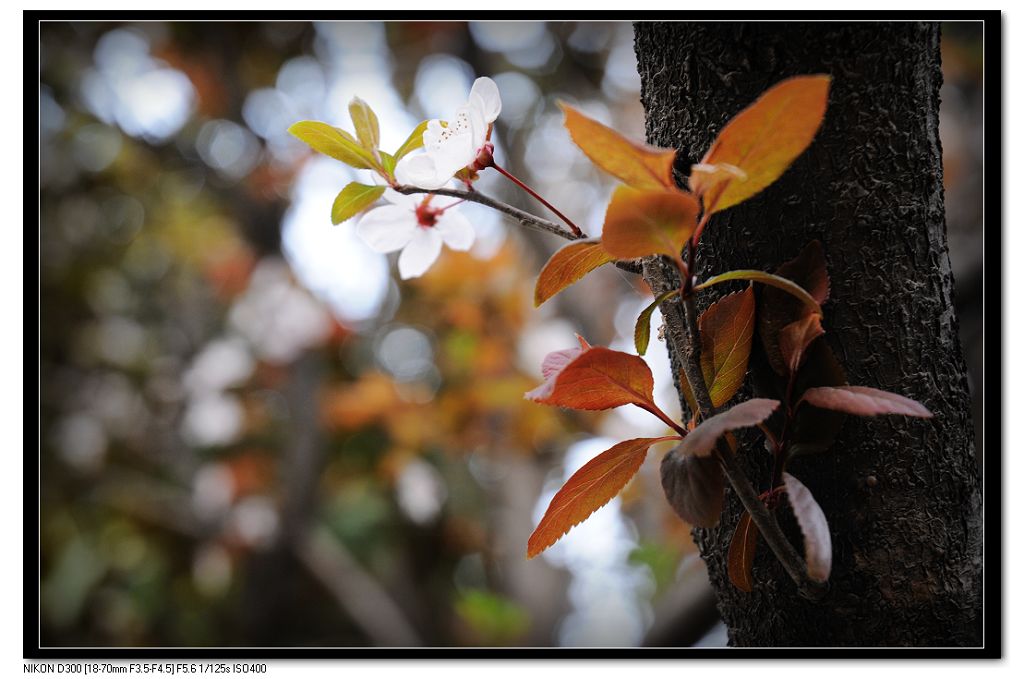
(741, 553)
(761, 141)
(597, 378)
(589, 489)
(644, 167)
(777, 309)
(814, 526)
(694, 487)
(864, 401)
(796, 337)
(639, 222)
(815, 430)
(702, 439)
(567, 266)
(726, 331)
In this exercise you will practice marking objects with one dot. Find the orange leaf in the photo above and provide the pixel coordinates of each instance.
(567, 266)
(639, 223)
(556, 361)
(726, 331)
(597, 378)
(796, 337)
(589, 489)
(756, 147)
(644, 167)
(741, 554)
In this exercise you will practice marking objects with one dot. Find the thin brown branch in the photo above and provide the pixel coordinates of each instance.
(524, 218)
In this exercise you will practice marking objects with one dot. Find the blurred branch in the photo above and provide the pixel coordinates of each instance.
(524, 218)
(153, 502)
(369, 606)
(688, 611)
(355, 591)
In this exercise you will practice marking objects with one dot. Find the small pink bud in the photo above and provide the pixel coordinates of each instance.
(484, 158)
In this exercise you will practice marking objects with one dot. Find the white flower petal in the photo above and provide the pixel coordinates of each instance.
(451, 156)
(387, 228)
(455, 230)
(478, 127)
(420, 170)
(459, 125)
(489, 98)
(420, 253)
(432, 134)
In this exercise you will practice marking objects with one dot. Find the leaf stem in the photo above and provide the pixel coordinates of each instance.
(660, 414)
(575, 229)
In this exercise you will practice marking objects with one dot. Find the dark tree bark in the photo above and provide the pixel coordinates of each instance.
(902, 496)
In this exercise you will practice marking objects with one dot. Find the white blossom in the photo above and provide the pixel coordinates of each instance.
(448, 149)
(417, 227)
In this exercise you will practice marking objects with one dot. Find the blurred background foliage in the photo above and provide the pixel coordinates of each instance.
(254, 434)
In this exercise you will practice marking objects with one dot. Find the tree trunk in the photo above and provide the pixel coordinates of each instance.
(902, 496)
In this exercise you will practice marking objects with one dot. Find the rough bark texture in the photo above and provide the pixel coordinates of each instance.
(902, 496)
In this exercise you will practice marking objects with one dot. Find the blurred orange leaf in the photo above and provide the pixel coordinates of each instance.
(761, 142)
(359, 403)
(640, 166)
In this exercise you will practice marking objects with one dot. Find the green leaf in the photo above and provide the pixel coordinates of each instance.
(766, 278)
(353, 199)
(642, 332)
(332, 142)
(365, 120)
(494, 619)
(661, 559)
(414, 141)
(388, 161)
